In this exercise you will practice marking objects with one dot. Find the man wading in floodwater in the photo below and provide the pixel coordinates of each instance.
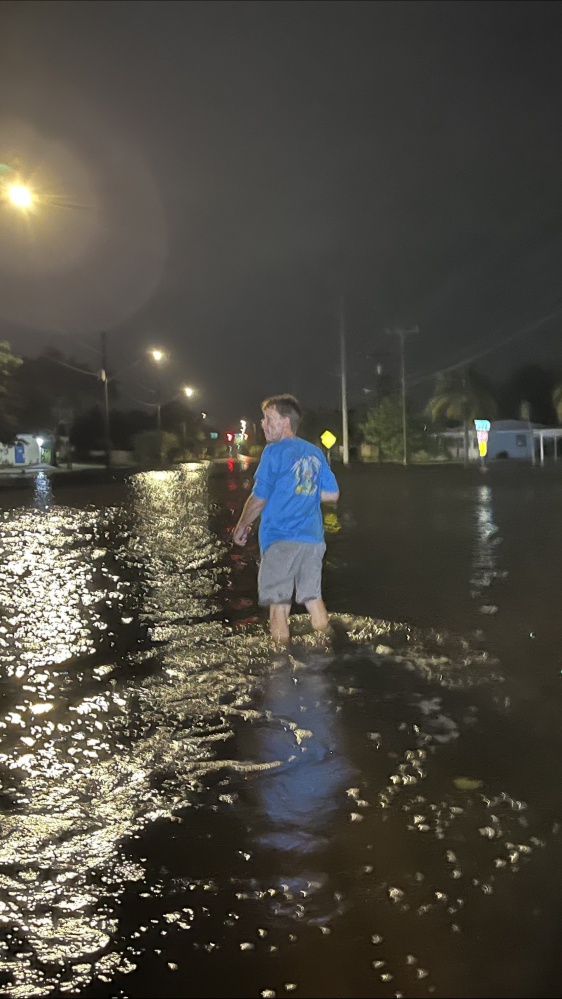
(292, 479)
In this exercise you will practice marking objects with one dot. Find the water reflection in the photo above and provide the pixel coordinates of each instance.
(298, 800)
(76, 777)
(484, 567)
(60, 785)
(42, 492)
(153, 756)
(173, 541)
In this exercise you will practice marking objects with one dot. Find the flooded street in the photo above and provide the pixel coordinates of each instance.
(184, 813)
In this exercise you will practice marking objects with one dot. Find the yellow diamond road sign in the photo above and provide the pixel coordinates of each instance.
(328, 439)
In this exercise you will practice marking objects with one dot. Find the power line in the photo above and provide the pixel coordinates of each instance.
(88, 346)
(141, 402)
(488, 350)
(72, 367)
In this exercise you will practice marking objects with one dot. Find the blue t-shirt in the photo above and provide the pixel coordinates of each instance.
(290, 476)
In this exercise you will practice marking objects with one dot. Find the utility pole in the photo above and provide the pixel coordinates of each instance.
(104, 378)
(464, 382)
(402, 334)
(159, 415)
(344, 420)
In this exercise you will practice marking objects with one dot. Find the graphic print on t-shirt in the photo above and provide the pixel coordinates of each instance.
(306, 471)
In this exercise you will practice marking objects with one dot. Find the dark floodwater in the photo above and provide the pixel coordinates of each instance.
(183, 814)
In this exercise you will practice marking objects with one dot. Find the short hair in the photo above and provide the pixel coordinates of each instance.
(285, 405)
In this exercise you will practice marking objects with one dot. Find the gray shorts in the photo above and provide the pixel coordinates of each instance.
(287, 567)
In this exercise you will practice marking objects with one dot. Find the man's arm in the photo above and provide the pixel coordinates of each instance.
(329, 490)
(252, 509)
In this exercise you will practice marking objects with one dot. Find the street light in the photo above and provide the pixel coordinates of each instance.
(19, 195)
(188, 391)
(158, 356)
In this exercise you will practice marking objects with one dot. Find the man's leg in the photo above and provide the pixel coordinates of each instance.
(309, 584)
(276, 582)
(279, 622)
(318, 614)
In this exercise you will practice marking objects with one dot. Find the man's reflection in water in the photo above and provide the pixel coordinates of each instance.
(297, 803)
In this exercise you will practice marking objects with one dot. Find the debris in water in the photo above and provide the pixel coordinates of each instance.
(467, 783)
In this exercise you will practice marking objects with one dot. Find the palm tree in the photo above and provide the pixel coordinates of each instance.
(557, 401)
(461, 395)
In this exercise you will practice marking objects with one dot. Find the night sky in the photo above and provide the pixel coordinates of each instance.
(212, 176)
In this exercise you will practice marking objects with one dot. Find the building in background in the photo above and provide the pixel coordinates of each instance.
(506, 439)
(26, 449)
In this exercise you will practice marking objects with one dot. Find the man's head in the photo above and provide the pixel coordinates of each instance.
(281, 417)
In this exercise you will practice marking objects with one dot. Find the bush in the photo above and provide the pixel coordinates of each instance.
(152, 448)
(382, 429)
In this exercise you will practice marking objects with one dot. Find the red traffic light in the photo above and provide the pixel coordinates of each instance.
(229, 437)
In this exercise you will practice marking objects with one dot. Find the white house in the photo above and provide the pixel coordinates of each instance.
(506, 439)
(26, 450)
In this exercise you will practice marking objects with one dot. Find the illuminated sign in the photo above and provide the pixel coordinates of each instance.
(482, 430)
(328, 439)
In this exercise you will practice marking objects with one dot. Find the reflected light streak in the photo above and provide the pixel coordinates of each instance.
(105, 732)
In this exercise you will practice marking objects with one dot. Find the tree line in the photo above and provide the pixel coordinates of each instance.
(458, 397)
(58, 395)
(54, 392)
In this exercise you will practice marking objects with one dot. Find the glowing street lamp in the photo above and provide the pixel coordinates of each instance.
(157, 355)
(19, 195)
(188, 391)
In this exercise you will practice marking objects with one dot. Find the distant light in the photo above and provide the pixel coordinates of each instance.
(40, 441)
(204, 416)
(213, 435)
(20, 196)
(229, 436)
(188, 391)
(157, 355)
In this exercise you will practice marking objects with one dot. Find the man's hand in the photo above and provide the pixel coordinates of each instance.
(252, 509)
(240, 534)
